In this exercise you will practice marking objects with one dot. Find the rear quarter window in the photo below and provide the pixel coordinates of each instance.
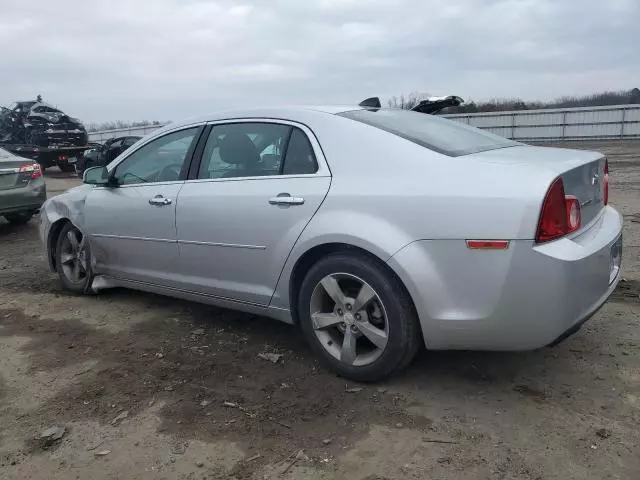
(432, 132)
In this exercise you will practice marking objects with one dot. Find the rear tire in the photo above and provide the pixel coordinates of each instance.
(18, 218)
(363, 344)
(73, 260)
(67, 167)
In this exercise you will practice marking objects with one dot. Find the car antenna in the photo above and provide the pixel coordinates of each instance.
(371, 102)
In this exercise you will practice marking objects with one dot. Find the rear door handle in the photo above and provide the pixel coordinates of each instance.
(159, 201)
(286, 199)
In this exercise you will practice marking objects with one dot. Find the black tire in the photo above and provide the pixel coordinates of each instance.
(404, 334)
(19, 218)
(67, 167)
(81, 286)
(81, 166)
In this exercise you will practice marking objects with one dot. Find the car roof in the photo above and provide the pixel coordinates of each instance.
(293, 113)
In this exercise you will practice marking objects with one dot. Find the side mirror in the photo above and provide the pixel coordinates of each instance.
(96, 176)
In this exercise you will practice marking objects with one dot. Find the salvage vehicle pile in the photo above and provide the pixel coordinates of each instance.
(37, 130)
(38, 123)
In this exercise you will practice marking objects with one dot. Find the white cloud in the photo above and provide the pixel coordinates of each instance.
(123, 59)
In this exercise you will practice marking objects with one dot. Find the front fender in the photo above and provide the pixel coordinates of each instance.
(68, 206)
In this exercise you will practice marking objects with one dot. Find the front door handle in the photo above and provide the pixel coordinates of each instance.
(286, 199)
(159, 201)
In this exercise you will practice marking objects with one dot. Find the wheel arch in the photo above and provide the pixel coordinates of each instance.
(314, 254)
(52, 240)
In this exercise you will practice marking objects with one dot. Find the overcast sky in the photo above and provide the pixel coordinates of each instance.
(166, 59)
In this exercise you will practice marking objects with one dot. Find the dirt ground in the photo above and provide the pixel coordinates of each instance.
(153, 388)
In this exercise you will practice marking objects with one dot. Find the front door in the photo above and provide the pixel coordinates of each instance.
(258, 185)
(132, 226)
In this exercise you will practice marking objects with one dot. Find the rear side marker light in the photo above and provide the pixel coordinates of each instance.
(31, 168)
(488, 244)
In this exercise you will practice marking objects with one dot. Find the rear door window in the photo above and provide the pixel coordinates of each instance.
(248, 149)
(299, 159)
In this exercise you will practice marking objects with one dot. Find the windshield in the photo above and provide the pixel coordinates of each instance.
(432, 132)
(4, 153)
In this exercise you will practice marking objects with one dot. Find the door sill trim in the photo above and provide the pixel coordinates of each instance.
(186, 292)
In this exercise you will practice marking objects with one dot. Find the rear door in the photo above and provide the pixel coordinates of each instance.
(256, 187)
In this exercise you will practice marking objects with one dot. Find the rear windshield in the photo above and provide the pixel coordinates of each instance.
(432, 132)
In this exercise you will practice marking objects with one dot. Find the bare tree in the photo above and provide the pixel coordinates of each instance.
(96, 127)
(505, 104)
(408, 102)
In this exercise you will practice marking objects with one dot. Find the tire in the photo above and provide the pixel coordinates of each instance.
(19, 218)
(65, 264)
(67, 167)
(86, 165)
(80, 166)
(397, 332)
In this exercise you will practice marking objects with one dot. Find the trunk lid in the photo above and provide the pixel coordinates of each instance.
(10, 176)
(586, 183)
(582, 171)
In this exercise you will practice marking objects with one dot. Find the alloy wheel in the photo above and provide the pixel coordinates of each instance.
(349, 319)
(73, 257)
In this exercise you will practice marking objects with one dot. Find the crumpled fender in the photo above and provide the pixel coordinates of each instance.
(68, 206)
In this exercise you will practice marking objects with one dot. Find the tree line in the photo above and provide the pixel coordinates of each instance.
(621, 97)
(98, 127)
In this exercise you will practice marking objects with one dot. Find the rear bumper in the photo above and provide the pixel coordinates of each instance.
(29, 198)
(523, 298)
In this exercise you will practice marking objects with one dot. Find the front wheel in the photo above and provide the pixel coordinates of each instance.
(73, 260)
(358, 317)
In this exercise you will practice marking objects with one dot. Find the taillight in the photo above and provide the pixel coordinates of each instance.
(605, 196)
(560, 214)
(573, 212)
(32, 169)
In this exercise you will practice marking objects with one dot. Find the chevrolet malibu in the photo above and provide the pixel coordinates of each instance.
(376, 231)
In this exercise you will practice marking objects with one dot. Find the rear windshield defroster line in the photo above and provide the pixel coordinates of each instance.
(435, 133)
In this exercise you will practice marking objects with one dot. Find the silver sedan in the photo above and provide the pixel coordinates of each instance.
(376, 231)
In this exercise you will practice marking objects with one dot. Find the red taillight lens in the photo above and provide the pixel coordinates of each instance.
(33, 169)
(573, 213)
(560, 214)
(605, 196)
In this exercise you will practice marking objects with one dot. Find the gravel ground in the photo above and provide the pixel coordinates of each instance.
(148, 388)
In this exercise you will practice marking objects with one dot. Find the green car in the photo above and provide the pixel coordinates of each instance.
(22, 188)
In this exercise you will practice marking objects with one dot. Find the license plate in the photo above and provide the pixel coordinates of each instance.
(72, 159)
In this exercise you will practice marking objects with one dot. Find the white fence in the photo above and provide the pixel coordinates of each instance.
(586, 123)
(103, 135)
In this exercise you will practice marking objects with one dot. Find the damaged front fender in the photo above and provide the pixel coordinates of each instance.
(56, 212)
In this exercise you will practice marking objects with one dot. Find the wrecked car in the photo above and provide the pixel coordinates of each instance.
(104, 154)
(377, 231)
(429, 105)
(38, 123)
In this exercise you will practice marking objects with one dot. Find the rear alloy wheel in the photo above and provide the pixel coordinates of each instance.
(18, 218)
(358, 317)
(73, 259)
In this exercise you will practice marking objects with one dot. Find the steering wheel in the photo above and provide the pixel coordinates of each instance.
(170, 173)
